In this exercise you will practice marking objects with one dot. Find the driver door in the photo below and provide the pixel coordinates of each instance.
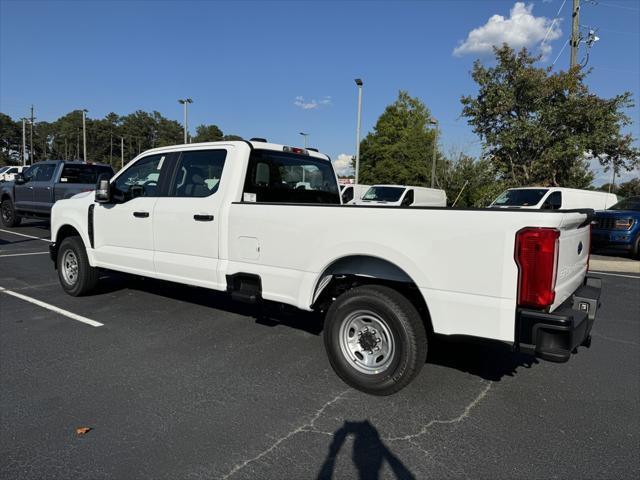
(123, 234)
(23, 196)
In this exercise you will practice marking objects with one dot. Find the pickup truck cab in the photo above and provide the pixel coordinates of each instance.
(553, 198)
(403, 195)
(34, 191)
(265, 222)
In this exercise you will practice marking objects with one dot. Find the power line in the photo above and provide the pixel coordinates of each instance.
(553, 22)
(624, 7)
(561, 50)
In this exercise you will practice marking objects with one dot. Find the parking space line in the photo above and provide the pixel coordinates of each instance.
(25, 235)
(21, 254)
(614, 274)
(53, 308)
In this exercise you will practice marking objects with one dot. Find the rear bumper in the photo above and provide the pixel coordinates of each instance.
(555, 336)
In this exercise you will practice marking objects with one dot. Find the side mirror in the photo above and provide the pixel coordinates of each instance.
(19, 179)
(103, 190)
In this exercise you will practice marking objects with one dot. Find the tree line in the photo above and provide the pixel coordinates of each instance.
(537, 128)
(62, 138)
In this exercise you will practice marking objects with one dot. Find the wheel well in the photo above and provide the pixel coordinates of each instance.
(357, 270)
(5, 197)
(64, 232)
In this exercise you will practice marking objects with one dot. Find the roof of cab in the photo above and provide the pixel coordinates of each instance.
(253, 144)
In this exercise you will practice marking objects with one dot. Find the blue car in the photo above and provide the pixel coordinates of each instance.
(618, 227)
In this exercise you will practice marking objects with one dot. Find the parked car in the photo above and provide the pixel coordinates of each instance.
(553, 198)
(352, 193)
(403, 196)
(34, 191)
(618, 228)
(8, 173)
(382, 277)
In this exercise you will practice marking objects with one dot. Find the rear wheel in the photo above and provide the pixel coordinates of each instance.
(76, 275)
(375, 339)
(8, 214)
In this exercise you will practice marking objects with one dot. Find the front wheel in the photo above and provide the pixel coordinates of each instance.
(8, 214)
(375, 339)
(75, 273)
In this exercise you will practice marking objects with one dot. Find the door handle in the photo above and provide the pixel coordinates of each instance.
(48, 188)
(141, 214)
(30, 188)
(203, 218)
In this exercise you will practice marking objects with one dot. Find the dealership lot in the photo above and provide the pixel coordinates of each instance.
(180, 382)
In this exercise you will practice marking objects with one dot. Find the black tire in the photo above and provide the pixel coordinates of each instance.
(85, 278)
(8, 214)
(403, 323)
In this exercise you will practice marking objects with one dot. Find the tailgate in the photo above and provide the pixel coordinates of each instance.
(573, 256)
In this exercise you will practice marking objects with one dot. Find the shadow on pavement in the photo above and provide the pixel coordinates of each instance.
(369, 453)
(485, 359)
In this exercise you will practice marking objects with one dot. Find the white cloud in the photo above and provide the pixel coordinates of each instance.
(521, 29)
(342, 165)
(312, 104)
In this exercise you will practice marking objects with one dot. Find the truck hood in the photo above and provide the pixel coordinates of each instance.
(82, 194)
(618, 213)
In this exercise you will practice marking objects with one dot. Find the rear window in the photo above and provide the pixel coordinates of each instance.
(84, 173)
(521, 198)
(280, 177)
(384, 194)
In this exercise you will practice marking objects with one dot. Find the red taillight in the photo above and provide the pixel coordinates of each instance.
(536, 256)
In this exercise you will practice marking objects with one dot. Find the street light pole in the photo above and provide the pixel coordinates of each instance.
(121, 153)
(185, 102)
(24, 142)
(305, 135)
(84, 133)
(434, 122)
(359, 84)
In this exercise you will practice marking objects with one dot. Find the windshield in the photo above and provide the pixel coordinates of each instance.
(526, 197)
(384, 194)
(4, 169)
(631, 203)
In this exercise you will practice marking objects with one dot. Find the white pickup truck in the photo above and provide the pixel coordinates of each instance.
(265, 221)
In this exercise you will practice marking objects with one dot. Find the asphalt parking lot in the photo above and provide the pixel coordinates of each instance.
(180, 382)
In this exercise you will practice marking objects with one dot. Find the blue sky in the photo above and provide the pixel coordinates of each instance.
(253, 67)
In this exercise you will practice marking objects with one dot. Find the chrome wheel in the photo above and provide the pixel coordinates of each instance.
(69, 267)
(366, 342)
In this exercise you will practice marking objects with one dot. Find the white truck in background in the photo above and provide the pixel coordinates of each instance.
(554, 198)
(352, 193)
(265, 222)
(403, 196)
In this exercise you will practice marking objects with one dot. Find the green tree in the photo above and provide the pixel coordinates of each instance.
(208, 133)
(540, 127)
(400, 148)
(629, 189)
(473, 182)
(10, 140)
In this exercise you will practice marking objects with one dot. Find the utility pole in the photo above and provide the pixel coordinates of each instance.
(31, 137)
(24, 142)
(575, 33)
(111, 148)
(121, 152)
(359, 83)
(84, 134)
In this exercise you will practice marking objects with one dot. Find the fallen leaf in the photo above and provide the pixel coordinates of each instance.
(82, 430)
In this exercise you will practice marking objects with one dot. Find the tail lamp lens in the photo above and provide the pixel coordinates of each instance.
(537, 257)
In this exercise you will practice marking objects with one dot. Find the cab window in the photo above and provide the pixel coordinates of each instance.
(141, 179)
(347, 194)
(553, 201)
(198, 173)
(44, 172)
(282, 177)
(408, 199)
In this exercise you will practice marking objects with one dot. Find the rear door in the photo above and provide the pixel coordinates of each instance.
(186, 221)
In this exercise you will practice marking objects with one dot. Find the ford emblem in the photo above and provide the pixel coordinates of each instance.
(579, 248)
